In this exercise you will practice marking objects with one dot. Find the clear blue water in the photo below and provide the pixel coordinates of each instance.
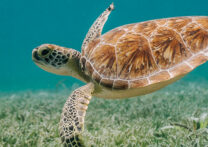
(25, 24)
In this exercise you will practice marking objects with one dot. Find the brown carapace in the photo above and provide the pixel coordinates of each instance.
(140, 54)
(128, 61)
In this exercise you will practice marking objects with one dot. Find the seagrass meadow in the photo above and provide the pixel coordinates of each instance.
(174, 116)
(31, 99)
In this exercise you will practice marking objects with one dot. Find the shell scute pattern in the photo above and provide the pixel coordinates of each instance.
(140, 54)
(180, 70)
(139, 83)
(120, 84)
(160, 22)
(146, 28)
(168, 48)
(96, 77)
(134, 58)
(197, 60)
(202, 21)
(90, 69)
(195, 37)
(87, 52)
(112, 36)
(161, 76)
(128, 27)
(178, 23)
(103, 60)
(107, 82)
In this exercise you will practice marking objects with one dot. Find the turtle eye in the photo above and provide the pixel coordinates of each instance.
(45, 52)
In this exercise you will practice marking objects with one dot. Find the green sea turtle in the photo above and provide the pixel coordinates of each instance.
(130, 60)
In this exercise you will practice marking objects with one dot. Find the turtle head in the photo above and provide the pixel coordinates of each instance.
(56, 59)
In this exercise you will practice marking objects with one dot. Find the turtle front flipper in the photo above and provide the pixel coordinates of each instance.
(97, 27)
(73, 114)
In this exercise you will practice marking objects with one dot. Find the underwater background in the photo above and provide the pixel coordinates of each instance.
(31, 99)
(25, 25)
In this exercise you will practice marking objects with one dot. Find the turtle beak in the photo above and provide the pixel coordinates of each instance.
(35, 56)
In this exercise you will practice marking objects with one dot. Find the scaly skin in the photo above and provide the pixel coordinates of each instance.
(65, 61)
(127, 61)
(59, 60)
(73, 114)
(97, 27)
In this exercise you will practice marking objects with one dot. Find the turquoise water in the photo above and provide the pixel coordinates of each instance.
(30, 111)
(25, 24)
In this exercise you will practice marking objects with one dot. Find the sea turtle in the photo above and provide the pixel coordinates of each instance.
(130, 60)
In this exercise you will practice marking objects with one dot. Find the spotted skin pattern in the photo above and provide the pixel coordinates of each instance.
(72, 119)
(57, 58)
(97, 27)
(131, 57)
(140, 54)
(54, 55)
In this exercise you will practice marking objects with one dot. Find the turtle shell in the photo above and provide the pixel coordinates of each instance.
(140, 54)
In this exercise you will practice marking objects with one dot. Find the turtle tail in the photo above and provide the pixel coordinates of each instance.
(72, 119)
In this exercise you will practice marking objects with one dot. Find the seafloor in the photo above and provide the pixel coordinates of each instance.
(174, 116)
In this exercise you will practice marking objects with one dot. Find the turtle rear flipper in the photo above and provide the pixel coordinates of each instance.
(73, 114)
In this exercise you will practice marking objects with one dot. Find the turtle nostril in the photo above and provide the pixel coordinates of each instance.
(45, 52)
(35, 55)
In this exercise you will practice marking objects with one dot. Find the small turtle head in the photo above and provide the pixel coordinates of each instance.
(53, 58)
